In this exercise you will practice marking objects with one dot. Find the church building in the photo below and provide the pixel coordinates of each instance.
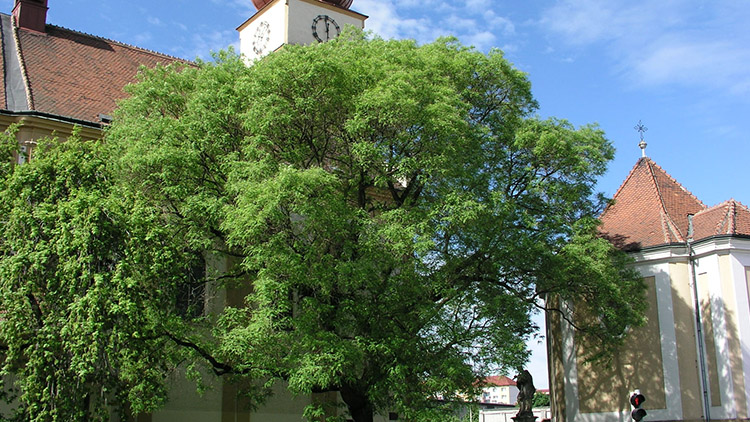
(55, 79)
(691, 360)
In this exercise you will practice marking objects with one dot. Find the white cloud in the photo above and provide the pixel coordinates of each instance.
(581, 22)
(382, 17)
(715, 63)
(457, 24)
(508, 48)
(473, 23)
(585, 21)
(478, 6)
(153, 20)
(180, 25)
(417, 4)
(482, 40)
(142, 38)
(243, 7)
(385, 21)
(203, 43)
(499, 24)
(659, 43)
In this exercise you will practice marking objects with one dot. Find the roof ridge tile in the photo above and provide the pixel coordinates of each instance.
(667, 222)
(673, 180)
(630, 174)
(120, 43)
(22, 63)
(724, 204)
(723, 222)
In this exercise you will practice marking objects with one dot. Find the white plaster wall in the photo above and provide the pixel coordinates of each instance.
(302, 13)
(660, 271)
(513, 394)
(509, 414)
(290, 22)
(657, 263)
(186, 405)
(709, 265)
(739, 260)
(502, 394)
(275, 15)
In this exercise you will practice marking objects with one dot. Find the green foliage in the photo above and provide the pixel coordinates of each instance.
(79, 330)
(540, 400)
(396, 208)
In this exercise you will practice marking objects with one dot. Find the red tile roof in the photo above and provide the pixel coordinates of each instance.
(651, 209)
(79, 76)
(499, 381)
(728, 218)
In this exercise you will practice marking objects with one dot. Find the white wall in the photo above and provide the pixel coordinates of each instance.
(290, 22)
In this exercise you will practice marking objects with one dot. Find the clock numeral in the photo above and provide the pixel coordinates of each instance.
(261, 37)
(324, 28)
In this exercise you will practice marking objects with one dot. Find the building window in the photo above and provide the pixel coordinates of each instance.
(23, 151)
(191, 293)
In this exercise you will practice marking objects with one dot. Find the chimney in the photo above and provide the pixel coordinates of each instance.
(31, 14)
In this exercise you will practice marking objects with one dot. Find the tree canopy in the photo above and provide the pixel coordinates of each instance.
(383, 218)
(79, 335)
(541, 399)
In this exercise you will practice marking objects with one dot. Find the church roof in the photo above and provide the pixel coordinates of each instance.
(651, 208)
(66, 73)
(728, 218)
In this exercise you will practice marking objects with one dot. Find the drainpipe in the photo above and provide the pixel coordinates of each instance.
(698, 321)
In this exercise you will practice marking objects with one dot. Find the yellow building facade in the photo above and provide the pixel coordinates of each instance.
(692, 358)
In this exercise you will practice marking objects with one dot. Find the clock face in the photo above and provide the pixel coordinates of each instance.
(324, 28)
(261, 37)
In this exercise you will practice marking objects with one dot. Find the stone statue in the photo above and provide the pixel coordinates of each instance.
(526, 391)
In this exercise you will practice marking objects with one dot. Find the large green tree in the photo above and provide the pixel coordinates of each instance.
(383, 217)
(81, 338)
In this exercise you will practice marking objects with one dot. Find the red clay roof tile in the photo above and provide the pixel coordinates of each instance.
(728, 218)
(81, 76)
(650, 208)
(499, 381)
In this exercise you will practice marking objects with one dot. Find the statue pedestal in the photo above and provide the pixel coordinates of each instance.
(526, 417)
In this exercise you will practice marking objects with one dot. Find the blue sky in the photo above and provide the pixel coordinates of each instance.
(680, 66)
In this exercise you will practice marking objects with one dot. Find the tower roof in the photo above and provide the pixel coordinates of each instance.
(259, 4)
(651, 208)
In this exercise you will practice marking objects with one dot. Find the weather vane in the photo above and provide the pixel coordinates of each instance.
(641, 129)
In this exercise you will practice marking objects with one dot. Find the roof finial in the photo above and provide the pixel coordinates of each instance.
(641, 129)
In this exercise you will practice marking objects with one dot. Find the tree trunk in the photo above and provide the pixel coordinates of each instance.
(86, 407)
(356, 400)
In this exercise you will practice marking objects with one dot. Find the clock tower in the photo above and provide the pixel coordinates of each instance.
(279, 22)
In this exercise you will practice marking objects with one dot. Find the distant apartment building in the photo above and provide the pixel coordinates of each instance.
(499, 390)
